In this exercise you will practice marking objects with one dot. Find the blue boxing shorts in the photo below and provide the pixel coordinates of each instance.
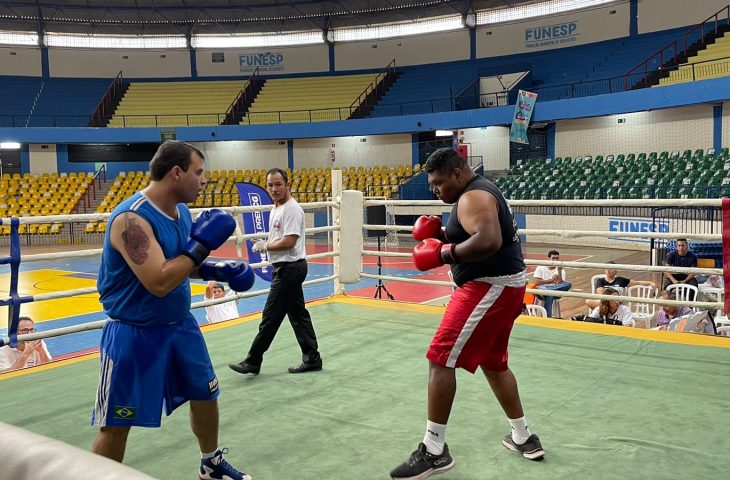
(146, 369)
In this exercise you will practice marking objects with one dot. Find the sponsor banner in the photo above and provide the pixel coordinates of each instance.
(252, 195)
(560, 34)
(266, 62)
(623, 224)
(523, 112)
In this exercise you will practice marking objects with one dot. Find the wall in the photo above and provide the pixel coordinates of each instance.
(653, 131)
(43, 158)
(244, 155)
(611, 224)
(68, 62)
(725, 134)
(576, 28)
(424, 49)
(657, 15)
(22, 61)
(491, 143)
(271, 61)
(353, 151)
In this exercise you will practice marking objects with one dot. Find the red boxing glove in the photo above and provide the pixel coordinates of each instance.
(432, 253)
(428, 226)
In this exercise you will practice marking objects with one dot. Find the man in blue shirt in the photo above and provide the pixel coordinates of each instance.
(681, 257)
(153, 355)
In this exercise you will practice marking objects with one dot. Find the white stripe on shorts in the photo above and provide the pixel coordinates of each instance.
(471, 323)
(102, 394)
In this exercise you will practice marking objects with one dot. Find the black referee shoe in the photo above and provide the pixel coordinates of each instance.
(244, 368)
(306, 367)
(423, 464)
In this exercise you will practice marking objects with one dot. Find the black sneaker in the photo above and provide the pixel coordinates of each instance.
(244, 368)
(423, 464)
(531, 449)
(306, 367)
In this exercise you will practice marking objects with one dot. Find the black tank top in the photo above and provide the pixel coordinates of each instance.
(507, 260)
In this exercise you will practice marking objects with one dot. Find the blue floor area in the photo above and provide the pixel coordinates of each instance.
(88, 267)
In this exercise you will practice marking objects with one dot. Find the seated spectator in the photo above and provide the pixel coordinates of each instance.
(681, 257)
(667, 313)
(611, 279)
(222, 311)
(613, 310)
(551, 278)
(26, 354)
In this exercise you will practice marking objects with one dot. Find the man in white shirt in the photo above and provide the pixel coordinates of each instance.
(221, 311)
(26, 354)
(551, 278)
(285, 248)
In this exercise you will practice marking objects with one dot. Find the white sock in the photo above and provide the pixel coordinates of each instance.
(520, 432)
(435, 437)
(206, 456)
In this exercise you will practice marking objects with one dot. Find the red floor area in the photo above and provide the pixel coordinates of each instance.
(407, 292)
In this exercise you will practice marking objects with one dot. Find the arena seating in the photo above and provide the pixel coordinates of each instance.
(47, 194)
(308, 185)
(697, 174)
(50, 102)
(420, 90)
(172, 104)
(712, 62)
(309, 99)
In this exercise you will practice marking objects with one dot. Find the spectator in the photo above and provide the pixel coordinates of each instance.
(613, 310)
(551, 278)
(611, 279)
(222, 311)
(26, 354)
(667, 313)
(681, 257)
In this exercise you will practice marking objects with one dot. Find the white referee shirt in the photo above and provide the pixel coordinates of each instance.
(287, 219)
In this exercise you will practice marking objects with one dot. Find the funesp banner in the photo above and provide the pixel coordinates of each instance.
(523, 113)
(251, 195)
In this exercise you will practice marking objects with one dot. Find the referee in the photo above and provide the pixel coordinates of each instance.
(285, 247)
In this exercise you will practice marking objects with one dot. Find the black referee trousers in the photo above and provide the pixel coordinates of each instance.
(286, 298)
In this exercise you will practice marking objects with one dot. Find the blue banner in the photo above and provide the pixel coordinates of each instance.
(252, 195)
(523, 112)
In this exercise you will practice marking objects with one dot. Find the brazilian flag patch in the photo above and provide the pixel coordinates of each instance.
(125, 413)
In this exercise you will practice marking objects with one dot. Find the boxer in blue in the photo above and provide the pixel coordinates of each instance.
(152, 351)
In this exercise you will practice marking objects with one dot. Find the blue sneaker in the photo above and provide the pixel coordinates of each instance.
(217, 468)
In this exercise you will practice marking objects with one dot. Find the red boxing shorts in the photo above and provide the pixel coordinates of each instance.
(476, 327)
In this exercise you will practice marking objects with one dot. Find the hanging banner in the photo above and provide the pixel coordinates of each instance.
(252, 195)
(523, 112)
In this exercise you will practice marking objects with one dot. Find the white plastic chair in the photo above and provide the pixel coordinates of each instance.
(594, 279)
(536, 311)
(723, 331)
(684, 292)
(639, 310)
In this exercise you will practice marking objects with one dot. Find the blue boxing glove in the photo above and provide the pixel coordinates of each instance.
(236, 273)
(211, 230)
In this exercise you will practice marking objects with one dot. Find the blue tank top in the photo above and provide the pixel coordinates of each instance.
(123, 296)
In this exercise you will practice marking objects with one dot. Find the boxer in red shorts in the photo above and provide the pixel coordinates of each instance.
(482, 245)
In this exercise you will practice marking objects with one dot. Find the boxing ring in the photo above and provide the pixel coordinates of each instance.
(608, 402)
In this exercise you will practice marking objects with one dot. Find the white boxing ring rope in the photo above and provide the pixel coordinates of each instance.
(238, 238)
(345, 213)
(571, 234)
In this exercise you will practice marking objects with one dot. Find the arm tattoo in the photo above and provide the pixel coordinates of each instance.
(136, 241)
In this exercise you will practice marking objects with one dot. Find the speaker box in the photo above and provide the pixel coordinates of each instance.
(375, 215)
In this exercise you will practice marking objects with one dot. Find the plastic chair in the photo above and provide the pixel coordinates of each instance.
(639, 310)
(536, 311)
(684, 292)
(594, 279)
(723, 331)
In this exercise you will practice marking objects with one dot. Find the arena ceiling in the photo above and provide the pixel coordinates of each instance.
(222, 16)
